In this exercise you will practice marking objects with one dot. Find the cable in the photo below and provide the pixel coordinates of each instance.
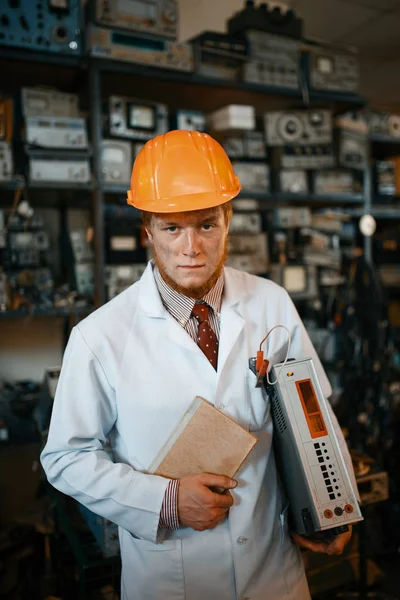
(260, 355)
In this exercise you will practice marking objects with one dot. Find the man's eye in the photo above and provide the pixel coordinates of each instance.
(172, 229)
(207, 226)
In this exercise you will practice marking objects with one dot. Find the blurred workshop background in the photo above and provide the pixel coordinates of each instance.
(304, 95)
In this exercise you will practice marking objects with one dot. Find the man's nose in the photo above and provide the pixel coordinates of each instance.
(192, 243)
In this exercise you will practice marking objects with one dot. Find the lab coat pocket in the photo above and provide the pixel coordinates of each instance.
(152, 571)
(258, 406)
(291, 561)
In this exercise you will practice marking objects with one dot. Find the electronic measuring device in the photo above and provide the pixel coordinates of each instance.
(311, 464)
(42, 25)
(132, 118)
(155, 17)
(332, 69)
(138, 48)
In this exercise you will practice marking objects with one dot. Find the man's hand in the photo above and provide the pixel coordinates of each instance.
(334, 547)
(198, 506)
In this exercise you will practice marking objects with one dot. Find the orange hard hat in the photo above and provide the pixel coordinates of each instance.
(180, 171)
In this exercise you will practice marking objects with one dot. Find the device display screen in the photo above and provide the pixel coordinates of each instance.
(325, 65)
(141, 117)
(139, 11)
(295, 279)
(311, 408)
(113, 155)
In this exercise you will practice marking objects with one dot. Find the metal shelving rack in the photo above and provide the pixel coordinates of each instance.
(95, 69)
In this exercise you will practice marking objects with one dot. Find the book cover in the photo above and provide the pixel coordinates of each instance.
(205, 441)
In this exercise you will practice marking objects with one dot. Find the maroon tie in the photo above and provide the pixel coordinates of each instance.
(206, 338)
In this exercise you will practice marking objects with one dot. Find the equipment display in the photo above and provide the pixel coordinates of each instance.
(53, 26)
(256, 245)
(293, 182)
(254, 177)
(264, 18)
(245, 223)
(116, 161)
(273, 60)
(247, 144)
(131, 118)
(300, 128)
(56, 132)
(381, 123)
(6, 162)
(353, 150)
(37, 102)
(123, 242)
(332, 70)
(256, 265)
(156, 17)
(299, 281)
(309, 458)
(191, 120)
(290, 217)
(385, 177)
(333, 182)
(59, 170)
(315, 156)
(140, 49)
(234, 116)
(119, 277)
(219, 55)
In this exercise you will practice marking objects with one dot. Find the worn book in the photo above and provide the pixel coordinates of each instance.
(204, 441)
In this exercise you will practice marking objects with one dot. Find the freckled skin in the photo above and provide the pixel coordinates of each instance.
(190, 248)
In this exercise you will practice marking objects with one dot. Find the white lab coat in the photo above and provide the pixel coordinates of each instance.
(129, 373)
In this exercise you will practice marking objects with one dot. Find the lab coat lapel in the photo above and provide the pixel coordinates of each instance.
(232, 323)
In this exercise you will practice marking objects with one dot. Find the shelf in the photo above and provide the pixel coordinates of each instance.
(127, 68)
(378, 212)
(312, 198)
(383, 139)
(46, 312)
(54, 58)
(53, 185)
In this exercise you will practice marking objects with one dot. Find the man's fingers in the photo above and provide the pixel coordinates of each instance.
(320, 547)
(219, 481)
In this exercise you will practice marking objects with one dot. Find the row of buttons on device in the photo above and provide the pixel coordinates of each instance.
(324, 469)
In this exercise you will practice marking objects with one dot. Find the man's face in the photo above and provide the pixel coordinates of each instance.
(190, 248)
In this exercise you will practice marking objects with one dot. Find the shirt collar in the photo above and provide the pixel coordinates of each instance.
(181, 306)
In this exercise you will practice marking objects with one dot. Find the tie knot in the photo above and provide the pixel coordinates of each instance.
(200, 311)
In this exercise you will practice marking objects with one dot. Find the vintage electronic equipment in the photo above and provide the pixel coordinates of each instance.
(38, 102)
(73, 170)
(53, 26)
(300, 281)
(155, 17)
(246, 204)
(116, 161)
(309, 458)
(219, 55)
(84, 278)
(384, 124)
(190, 120)
(395, 160)
(256, 244)
(353, 120)
(290, 217)
(273, 20)
(314, 156)
(119, 277)
(139, 49)
(298, 128)
(3, 293)
(332, 69)
(234, 116)
(385, 177)
(254, 177)
(123, 242)
(273, 60)
(256, 265)
(333, 182)
(81, 249)
(136, 119)
(6, 119)
(246, 144)
(353, 149)
(245, 223)
(322, 257)
(373, 487)
(6, 162)
(57, 132)
(104, 531)
(293, 181)
(26, 247)
(389, 275)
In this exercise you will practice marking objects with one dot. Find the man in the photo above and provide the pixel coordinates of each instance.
(131, 370)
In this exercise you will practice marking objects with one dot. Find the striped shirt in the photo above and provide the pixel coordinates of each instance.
(180, 307)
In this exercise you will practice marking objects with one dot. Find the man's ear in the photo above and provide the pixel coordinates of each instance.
(149, 235)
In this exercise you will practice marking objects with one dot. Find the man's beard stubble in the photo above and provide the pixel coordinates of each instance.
(192, 291)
